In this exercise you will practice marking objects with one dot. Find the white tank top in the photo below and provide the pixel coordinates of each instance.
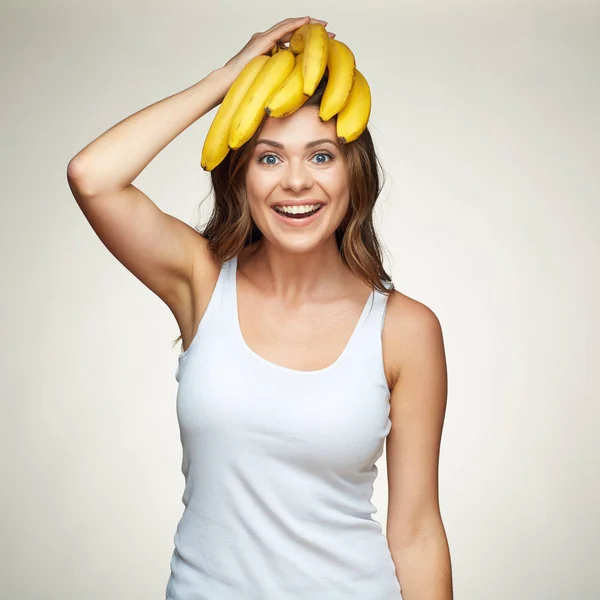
(279, 466)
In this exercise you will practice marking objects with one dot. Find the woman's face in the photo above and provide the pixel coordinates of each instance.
(297, 162)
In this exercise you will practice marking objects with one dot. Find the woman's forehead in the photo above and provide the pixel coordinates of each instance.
(298, 129)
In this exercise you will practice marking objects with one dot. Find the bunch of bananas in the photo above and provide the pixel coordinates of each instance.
(280, 83)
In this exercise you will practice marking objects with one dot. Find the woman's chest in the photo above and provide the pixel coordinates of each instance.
(230, 398)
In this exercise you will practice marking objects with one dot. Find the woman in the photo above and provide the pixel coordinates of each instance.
(298, 360)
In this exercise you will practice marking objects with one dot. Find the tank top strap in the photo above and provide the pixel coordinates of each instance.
(219, 306)
(372, 325)
(367, 349)
(229, 294)
(376, 314)
(216, 314)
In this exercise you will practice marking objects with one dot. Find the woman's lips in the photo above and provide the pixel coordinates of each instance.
(295, 220)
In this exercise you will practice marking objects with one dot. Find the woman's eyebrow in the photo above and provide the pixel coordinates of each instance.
(321, 141)
(309, 145)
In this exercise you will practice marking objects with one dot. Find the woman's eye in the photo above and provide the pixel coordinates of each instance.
(265, 159)
(323, 154)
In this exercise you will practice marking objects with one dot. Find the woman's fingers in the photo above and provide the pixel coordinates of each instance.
(281, 32)
(287, 23)
(264, 42)
(288, 36)
(285, 28)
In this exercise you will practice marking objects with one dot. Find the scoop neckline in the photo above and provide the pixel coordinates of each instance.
(268, 363)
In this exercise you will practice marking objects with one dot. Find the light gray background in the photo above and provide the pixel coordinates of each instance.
(486, 117)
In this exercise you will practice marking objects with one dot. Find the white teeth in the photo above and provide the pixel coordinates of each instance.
(297, 209)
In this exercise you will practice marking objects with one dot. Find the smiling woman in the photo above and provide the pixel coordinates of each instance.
(299, 209)
(349, 178)
(299, 357)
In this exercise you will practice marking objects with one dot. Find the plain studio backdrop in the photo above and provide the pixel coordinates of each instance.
(486, 118)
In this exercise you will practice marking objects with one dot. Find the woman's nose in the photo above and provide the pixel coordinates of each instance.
(296, 176)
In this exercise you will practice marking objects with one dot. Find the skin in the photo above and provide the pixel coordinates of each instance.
(285, 167)
(294, 290)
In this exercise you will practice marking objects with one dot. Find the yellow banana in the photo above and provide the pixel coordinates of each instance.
(340, 66)
(353, 118)
(289, 97)
(298, 38)
(316, 51)
(216, 144)
(251, 110)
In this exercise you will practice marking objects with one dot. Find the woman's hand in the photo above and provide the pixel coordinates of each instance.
(264, 42)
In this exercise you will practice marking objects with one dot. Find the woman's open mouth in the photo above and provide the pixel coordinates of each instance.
(298, 214)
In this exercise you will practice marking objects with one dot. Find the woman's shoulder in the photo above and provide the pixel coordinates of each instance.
(405, 308)
(409, 325)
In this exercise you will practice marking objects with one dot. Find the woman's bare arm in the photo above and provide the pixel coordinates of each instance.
(156, 247)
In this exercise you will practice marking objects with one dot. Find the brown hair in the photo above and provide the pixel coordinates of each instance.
(230, 226)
